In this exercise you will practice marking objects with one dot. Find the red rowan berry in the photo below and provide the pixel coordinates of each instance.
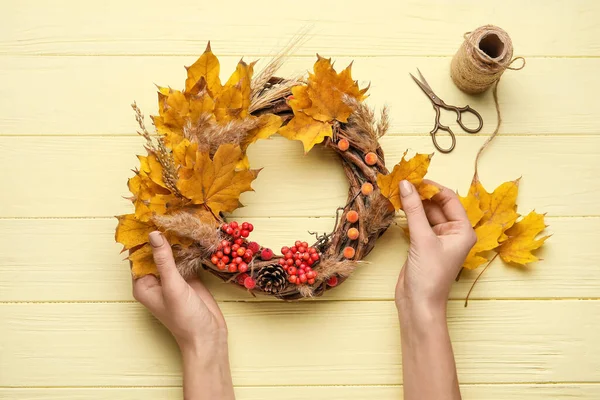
(233, 225)
(333, 281)
(243, 267)
(266, 254)
(255, 247)
(249, 283)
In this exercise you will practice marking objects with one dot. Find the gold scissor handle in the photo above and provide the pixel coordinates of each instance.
(467, 109)
(438, 127)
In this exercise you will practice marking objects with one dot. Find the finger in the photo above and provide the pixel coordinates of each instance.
(147, 291)
(413, 208)
(450, 204)
(165, 263)
(434, 213)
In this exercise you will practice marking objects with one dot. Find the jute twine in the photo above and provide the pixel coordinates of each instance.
(480, 62)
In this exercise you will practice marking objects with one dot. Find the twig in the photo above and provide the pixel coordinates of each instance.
(476, 279)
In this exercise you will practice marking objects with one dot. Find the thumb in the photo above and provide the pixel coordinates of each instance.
(165, 263)
(413, 207)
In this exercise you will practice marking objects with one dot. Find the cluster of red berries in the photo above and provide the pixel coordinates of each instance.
(297, 261)
(233, 255)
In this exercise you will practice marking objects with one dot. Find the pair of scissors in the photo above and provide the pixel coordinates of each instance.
(439, 103)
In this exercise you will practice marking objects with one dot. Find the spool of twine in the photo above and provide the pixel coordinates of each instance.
(479, 63)
(482, 59)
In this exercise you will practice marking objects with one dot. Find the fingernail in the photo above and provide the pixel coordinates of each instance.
(405, 188)
(156, 239)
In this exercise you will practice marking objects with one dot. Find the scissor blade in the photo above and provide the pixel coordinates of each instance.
(424, 88)
(424, 81)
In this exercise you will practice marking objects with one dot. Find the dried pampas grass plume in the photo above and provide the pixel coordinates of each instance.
(331, 266)
(186, 225)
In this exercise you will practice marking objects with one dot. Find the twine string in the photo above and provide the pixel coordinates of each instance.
(474, 70)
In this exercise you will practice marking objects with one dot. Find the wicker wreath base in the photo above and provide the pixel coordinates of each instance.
(375, 211)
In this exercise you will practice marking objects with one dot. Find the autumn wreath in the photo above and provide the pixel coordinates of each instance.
(196, 168)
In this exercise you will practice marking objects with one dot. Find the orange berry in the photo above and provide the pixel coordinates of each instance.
(366, 188)
(352, 233)
(352, 216)
(343, 144)
(371, 158)
(349, 252)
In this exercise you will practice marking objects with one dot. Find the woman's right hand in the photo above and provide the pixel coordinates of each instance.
(440, 239)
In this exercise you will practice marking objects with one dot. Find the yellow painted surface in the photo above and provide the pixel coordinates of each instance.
(69, 328)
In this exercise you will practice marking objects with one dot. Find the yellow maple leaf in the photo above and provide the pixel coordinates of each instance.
(412, 170)
(487, 239)
(216, 183)
(306, 129)
(326, 90)
(132, 232)
(522, 239)
(234, 99)
(142, 262)
(206, 68)
(471, 204)
(502, 207)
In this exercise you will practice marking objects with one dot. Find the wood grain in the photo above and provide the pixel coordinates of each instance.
(538, 28)
(77, 260)
(357, 343)
(549, 96)
(86, 177)
(574, 391)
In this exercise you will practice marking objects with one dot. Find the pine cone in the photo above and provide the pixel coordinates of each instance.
(271, 279)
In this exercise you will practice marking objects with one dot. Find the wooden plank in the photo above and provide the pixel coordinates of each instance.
(350, 343)
(77, 260)
(538, 28)
(575, 391)
(86, 177)
(91, 95)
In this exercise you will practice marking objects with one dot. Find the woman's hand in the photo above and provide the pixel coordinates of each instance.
(440, 239)
(192, 315)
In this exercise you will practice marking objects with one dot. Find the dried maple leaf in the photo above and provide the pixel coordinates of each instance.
(142, 262)
(326, 90)
(412, 170)
(320, 102)
(306, 129)
(471, 204)
(487, 239)
(522, 240)
(206, 68)
(131, 232)
(216, 183)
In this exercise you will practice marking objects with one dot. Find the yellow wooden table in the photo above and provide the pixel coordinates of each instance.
(69, 328)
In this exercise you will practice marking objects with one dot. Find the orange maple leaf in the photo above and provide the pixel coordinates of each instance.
(412, 170)
(325, 92)
(216, 183)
